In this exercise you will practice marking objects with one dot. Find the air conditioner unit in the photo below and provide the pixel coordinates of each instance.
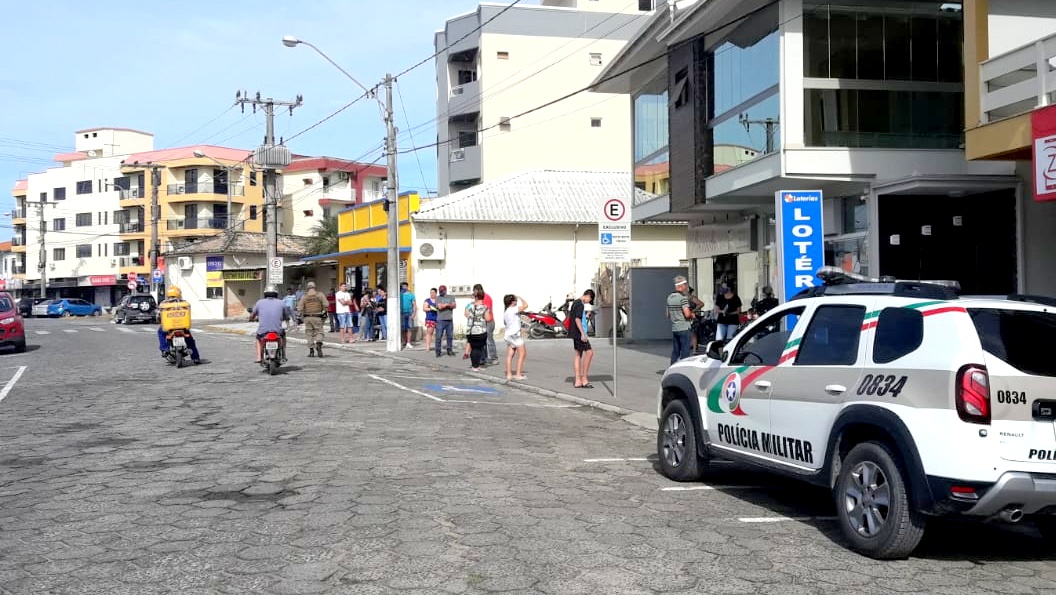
(181, 189)
(429, 250)
(185, 262)
(134, 193)
(458, 154)
(457, 90)
(342, 175)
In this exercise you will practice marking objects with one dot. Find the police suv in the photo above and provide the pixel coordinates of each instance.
(903, 398)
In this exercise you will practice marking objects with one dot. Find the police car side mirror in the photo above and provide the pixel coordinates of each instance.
(715, 350)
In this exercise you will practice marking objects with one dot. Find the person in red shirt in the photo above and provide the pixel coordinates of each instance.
(492, 354)
(331, 310)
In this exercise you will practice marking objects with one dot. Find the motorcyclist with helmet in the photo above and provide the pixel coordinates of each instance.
(173, 301)
(271, 312)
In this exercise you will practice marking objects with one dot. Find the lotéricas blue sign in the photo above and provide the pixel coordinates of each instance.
(801, 239)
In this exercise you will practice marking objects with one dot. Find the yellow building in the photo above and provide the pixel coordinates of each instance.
(363, 243)
(196, 184)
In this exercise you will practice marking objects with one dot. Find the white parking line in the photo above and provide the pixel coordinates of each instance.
(42, 332)
(126, 330)
(96, 329)
(612, 460)
(410, 390)
(707, 488)
(11, 383)
(782, 519)
(69, 330)
(544, 405)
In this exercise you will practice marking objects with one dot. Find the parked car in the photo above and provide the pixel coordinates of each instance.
(137, 307)
(12, 331)
(40, 309)
(73, 307)
(25, 305)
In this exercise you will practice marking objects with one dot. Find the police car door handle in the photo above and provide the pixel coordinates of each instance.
(763, 385)
(835, 389)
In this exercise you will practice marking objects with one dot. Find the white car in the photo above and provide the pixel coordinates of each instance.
(902, 398)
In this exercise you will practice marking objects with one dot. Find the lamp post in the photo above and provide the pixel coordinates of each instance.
(392, 285)
(228, 228)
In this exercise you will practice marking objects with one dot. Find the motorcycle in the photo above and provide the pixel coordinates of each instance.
(178, 349)
(541, 325)
(273, 353)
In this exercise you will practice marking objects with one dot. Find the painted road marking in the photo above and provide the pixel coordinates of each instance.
(96, 329)
(42, 332)
(404, 388)
(782, 519)
(446, 388)
(69, 330)
(612, 460)
(544, 405)
(126, 330)
(707, 488)
(11, 383)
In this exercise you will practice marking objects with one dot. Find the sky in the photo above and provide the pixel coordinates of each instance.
(172, 69)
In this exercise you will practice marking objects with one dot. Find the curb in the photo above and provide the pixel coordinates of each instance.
(628, 415)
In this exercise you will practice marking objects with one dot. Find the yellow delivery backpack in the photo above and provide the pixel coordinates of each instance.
(175, 315)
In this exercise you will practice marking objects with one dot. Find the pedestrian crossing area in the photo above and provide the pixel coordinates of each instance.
(150, 330)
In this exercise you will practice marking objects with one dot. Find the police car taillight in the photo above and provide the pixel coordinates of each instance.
(973, 394)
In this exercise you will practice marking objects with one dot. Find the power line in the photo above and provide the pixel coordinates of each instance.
(421, 171)
(195, 131)
(320, 122)
(460, 39)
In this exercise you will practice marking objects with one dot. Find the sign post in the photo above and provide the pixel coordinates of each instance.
(800, 241)
(275, 272)
(614, 240)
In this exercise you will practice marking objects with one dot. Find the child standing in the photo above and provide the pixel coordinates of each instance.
(512, 334)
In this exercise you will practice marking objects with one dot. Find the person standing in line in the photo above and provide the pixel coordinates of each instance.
(380, 307)
(511, 319)
(478, 315)
(578, 331)
(366, 315)
(680, 314)
(331, 309)
(728, 308)
(343, 309)
(493, 354)
(312, 309)
(695, 303)
(445, 320)
(408, 312)
(429, 307)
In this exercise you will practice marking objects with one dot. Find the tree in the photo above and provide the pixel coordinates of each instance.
(324, 237)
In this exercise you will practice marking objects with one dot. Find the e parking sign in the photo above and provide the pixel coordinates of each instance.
(800, 240)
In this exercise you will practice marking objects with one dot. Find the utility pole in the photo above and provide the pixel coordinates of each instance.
(269, 156)
(392, 307)
(771, 129)
(155, 214)
(42, 266)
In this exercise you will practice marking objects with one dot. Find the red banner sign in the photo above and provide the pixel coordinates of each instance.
(1043, 125)
(102, 280)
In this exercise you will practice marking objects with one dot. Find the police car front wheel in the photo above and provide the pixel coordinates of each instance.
(676, 443)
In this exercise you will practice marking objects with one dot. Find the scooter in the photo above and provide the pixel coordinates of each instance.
(273, 353)
(178, 350)
(542, 325)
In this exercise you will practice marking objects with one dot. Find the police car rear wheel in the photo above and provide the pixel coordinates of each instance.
(676, 443)
(872, 502)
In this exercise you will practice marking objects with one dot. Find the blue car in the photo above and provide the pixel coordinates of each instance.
(73, 307)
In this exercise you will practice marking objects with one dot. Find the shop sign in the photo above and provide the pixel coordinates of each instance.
(242, 275)
(102, 280)
(1043, 126)
(800, 240)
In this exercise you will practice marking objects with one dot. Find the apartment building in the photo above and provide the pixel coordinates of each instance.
(736, 100)
(317, 188)
(1010, 78)
(517, 61)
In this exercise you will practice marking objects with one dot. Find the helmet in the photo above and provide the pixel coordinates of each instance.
(271, 292)
(174, 293)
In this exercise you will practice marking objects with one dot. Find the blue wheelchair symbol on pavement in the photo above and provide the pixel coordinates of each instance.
(483, 390)
(606, 239)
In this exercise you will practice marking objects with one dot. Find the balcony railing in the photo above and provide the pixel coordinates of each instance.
(206, 188)
(132, 193)
(19, 268)
(18, 214)
(130, 261)
(202, 223)
(131, 227)
(1018, 81)
(18, 241)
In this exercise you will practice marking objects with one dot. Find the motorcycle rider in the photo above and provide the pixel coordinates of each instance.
(174, 299)
(271, 312)
(312, 310)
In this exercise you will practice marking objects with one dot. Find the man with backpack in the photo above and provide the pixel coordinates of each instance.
(312, 308)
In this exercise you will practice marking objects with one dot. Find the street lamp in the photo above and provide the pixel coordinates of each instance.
(230, 184)
(392, 286)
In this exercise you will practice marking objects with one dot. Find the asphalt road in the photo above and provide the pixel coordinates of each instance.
(360, 474)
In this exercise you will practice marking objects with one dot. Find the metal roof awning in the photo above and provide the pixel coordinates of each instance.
(333, 255)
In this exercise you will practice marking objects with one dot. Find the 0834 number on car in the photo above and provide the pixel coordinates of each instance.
(880, 385)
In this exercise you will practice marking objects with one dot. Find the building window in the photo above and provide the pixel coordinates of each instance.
(503, 55)
(326, 183)
(855, 214)
(84, 219)
(885, 119)
(252, 178)
(467, 139)
(645, 4)
(122, 249)
(59, 193)
(214, 293)
(466, 76)
(595, 59)
(253, 212)
(58, 254)
(43, 197)
(84, 187)
(58, 224)
(84, 250)
(595, 122)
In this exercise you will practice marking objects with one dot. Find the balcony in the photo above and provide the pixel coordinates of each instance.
(18, 214)
(464, 164)
(130, 261)
(465, 99)
(1018, 81)
(132, 196)
(186, 224)
(131, 227)
(18, 241)
(19, 268)
(195, 191)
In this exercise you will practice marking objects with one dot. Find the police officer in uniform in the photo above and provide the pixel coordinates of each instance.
(312, 309)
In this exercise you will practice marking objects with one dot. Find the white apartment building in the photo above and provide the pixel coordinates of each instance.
(316, 188)
(76, 204)
(524, 58)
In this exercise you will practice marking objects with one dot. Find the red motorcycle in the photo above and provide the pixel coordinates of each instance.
(541, 325)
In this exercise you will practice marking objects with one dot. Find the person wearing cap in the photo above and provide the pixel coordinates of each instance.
(312, 309)
(680, 314)
(445, 320)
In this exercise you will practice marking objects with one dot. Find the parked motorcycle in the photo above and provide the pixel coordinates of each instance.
(178, 349)
(273, 354)
(541, 325)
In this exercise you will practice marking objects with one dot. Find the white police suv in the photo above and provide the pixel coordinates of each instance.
(903, 398)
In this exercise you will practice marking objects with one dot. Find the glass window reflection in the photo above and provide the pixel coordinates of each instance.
(742, 138)
(759, 59)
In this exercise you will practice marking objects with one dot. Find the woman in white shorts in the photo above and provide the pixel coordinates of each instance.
(514, 340)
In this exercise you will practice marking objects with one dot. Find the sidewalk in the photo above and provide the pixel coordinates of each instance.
(548, 369)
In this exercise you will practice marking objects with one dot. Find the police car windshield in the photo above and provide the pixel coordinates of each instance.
(1014, 336)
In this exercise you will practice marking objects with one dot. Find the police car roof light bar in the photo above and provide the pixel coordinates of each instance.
(836, 281)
